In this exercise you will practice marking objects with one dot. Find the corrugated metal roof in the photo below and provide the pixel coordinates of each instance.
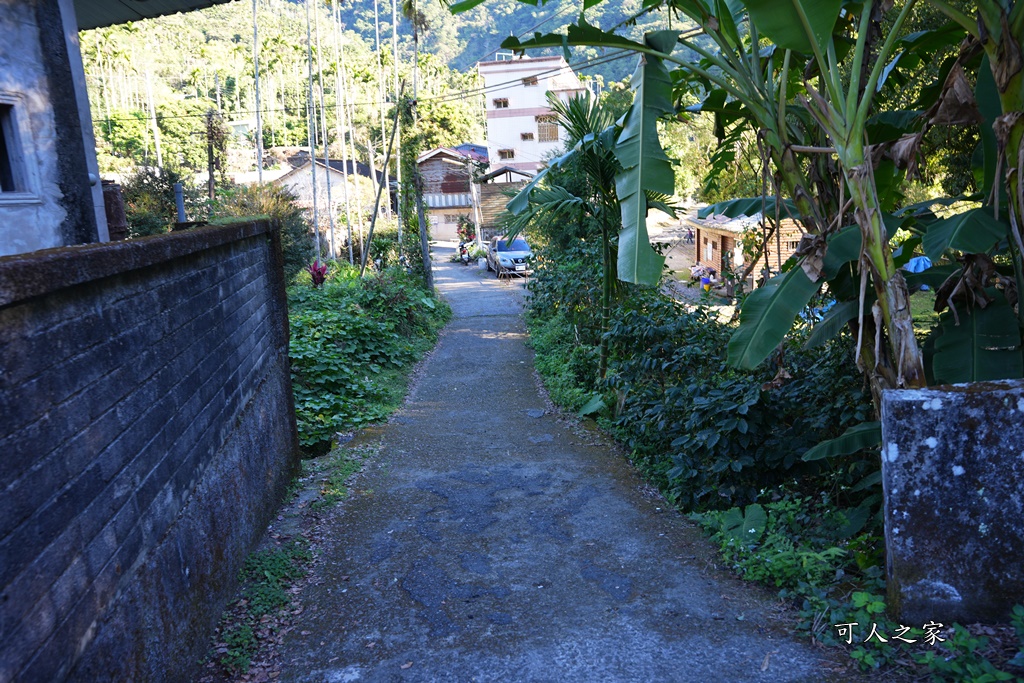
(99, 13)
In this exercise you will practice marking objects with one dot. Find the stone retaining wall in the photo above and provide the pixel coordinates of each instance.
(148, 432)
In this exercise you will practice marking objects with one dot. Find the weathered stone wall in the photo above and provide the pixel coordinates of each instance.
(952, 467)
(147, 431)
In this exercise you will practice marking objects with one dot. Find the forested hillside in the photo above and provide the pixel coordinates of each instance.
(152, 83)
(176, 69)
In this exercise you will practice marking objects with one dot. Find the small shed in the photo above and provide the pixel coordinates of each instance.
(719, 243)
(496, 188)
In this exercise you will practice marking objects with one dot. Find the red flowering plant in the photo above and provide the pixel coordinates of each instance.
(317, 272)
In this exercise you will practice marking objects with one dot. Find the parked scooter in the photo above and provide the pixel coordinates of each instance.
(464, 253)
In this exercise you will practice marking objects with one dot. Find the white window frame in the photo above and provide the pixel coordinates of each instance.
(20, 150)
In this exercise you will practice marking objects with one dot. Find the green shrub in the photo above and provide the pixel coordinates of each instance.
(276, 203)
(149, 202)
(350, 341)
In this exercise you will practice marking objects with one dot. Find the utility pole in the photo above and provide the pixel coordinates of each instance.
(323, 132)
(152, 121)
(383, 179)
(339, 94)
(256, 73)
(398, 122)
(350, 125)
(311, 130)
(209, 162)
(428, 271)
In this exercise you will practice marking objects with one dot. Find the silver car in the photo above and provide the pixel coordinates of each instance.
(509, 258)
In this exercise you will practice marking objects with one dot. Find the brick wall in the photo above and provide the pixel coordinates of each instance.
(148, 432)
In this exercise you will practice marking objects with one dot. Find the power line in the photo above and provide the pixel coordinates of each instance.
(454, 95)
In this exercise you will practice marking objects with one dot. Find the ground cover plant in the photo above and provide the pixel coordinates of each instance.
(352, 342)
(246, 638)
(727, 444)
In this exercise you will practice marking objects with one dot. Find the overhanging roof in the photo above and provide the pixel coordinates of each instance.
(99, 13)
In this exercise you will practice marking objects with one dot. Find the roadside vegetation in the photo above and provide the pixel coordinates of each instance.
(759, 453)
(726, 445)
(353, 342)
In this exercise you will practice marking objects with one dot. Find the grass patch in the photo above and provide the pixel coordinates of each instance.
(922, 308)
(266, 578)
(269, 576)
(333, 472)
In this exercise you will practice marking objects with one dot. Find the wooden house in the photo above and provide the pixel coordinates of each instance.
(447, 190)
(719, 244)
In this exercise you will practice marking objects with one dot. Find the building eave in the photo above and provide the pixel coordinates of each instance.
(100, 13)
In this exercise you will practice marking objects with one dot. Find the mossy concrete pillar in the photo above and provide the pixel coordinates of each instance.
(952, 473)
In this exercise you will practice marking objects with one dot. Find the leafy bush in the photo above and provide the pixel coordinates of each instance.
(349, 341)
(276, 203)
(788, 543)
(711, 436)
(149, 200)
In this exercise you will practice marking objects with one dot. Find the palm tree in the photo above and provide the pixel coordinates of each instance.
(590, 138)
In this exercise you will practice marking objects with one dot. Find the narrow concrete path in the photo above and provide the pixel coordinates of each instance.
(493, 541)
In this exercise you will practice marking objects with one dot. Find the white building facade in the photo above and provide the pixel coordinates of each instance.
(521, 131)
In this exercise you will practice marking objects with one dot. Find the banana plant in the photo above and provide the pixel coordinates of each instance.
(744, 85)
(805, 75)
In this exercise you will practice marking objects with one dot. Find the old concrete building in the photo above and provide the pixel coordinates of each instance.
(50, 195)
(521, 131)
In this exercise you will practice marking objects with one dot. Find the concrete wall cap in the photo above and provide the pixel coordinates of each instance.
(23, 276)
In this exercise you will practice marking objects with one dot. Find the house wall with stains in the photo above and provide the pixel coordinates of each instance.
(49, 193)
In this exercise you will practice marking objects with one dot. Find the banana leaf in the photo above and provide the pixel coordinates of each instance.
(984, 346)
(856, 438)
(645, 167)
(843, 247)
(974, 231)
(794, 24)
(767, 315)
(834, 321)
